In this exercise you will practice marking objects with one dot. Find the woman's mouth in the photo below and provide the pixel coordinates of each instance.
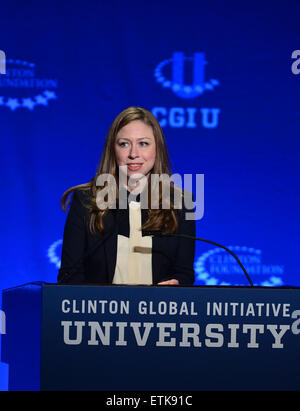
(134, 166)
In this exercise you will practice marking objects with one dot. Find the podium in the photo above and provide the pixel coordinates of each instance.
(112, 338)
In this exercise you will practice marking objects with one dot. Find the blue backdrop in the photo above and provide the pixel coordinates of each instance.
(218, 76)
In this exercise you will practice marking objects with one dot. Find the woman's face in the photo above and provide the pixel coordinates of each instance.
(135, 148)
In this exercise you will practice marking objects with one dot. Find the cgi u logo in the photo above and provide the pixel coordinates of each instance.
(2, 62)
(177, 85)
(178, 75)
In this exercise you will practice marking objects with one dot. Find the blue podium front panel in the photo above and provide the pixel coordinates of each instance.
(21, 343)
(170, 338)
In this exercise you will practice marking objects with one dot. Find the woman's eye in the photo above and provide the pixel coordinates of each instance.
(126, 143)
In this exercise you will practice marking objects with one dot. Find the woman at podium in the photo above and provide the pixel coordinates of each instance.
(124, 226)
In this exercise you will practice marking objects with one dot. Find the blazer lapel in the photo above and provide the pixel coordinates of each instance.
(110, 245)
(156, 260)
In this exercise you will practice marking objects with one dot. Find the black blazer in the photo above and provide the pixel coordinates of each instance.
(91, 259)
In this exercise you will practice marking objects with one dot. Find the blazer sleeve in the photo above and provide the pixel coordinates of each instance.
(72, 269)
(184, 258)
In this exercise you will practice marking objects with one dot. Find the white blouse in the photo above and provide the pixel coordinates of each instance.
(134, 267)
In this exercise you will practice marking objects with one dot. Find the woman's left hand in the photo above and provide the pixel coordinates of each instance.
(169, 282)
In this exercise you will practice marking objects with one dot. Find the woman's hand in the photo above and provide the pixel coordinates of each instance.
(169, 282)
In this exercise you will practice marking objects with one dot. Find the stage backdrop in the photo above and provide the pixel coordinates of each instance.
(222, 82)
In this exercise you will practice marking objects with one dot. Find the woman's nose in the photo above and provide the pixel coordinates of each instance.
(134, 152)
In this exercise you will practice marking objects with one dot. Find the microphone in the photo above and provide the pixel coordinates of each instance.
(159, 234)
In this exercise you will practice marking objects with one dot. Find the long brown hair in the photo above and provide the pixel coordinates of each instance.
(158, 219)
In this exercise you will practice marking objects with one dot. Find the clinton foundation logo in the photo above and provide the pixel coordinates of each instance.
(186, 78)
(22, 87)
(218, 267)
